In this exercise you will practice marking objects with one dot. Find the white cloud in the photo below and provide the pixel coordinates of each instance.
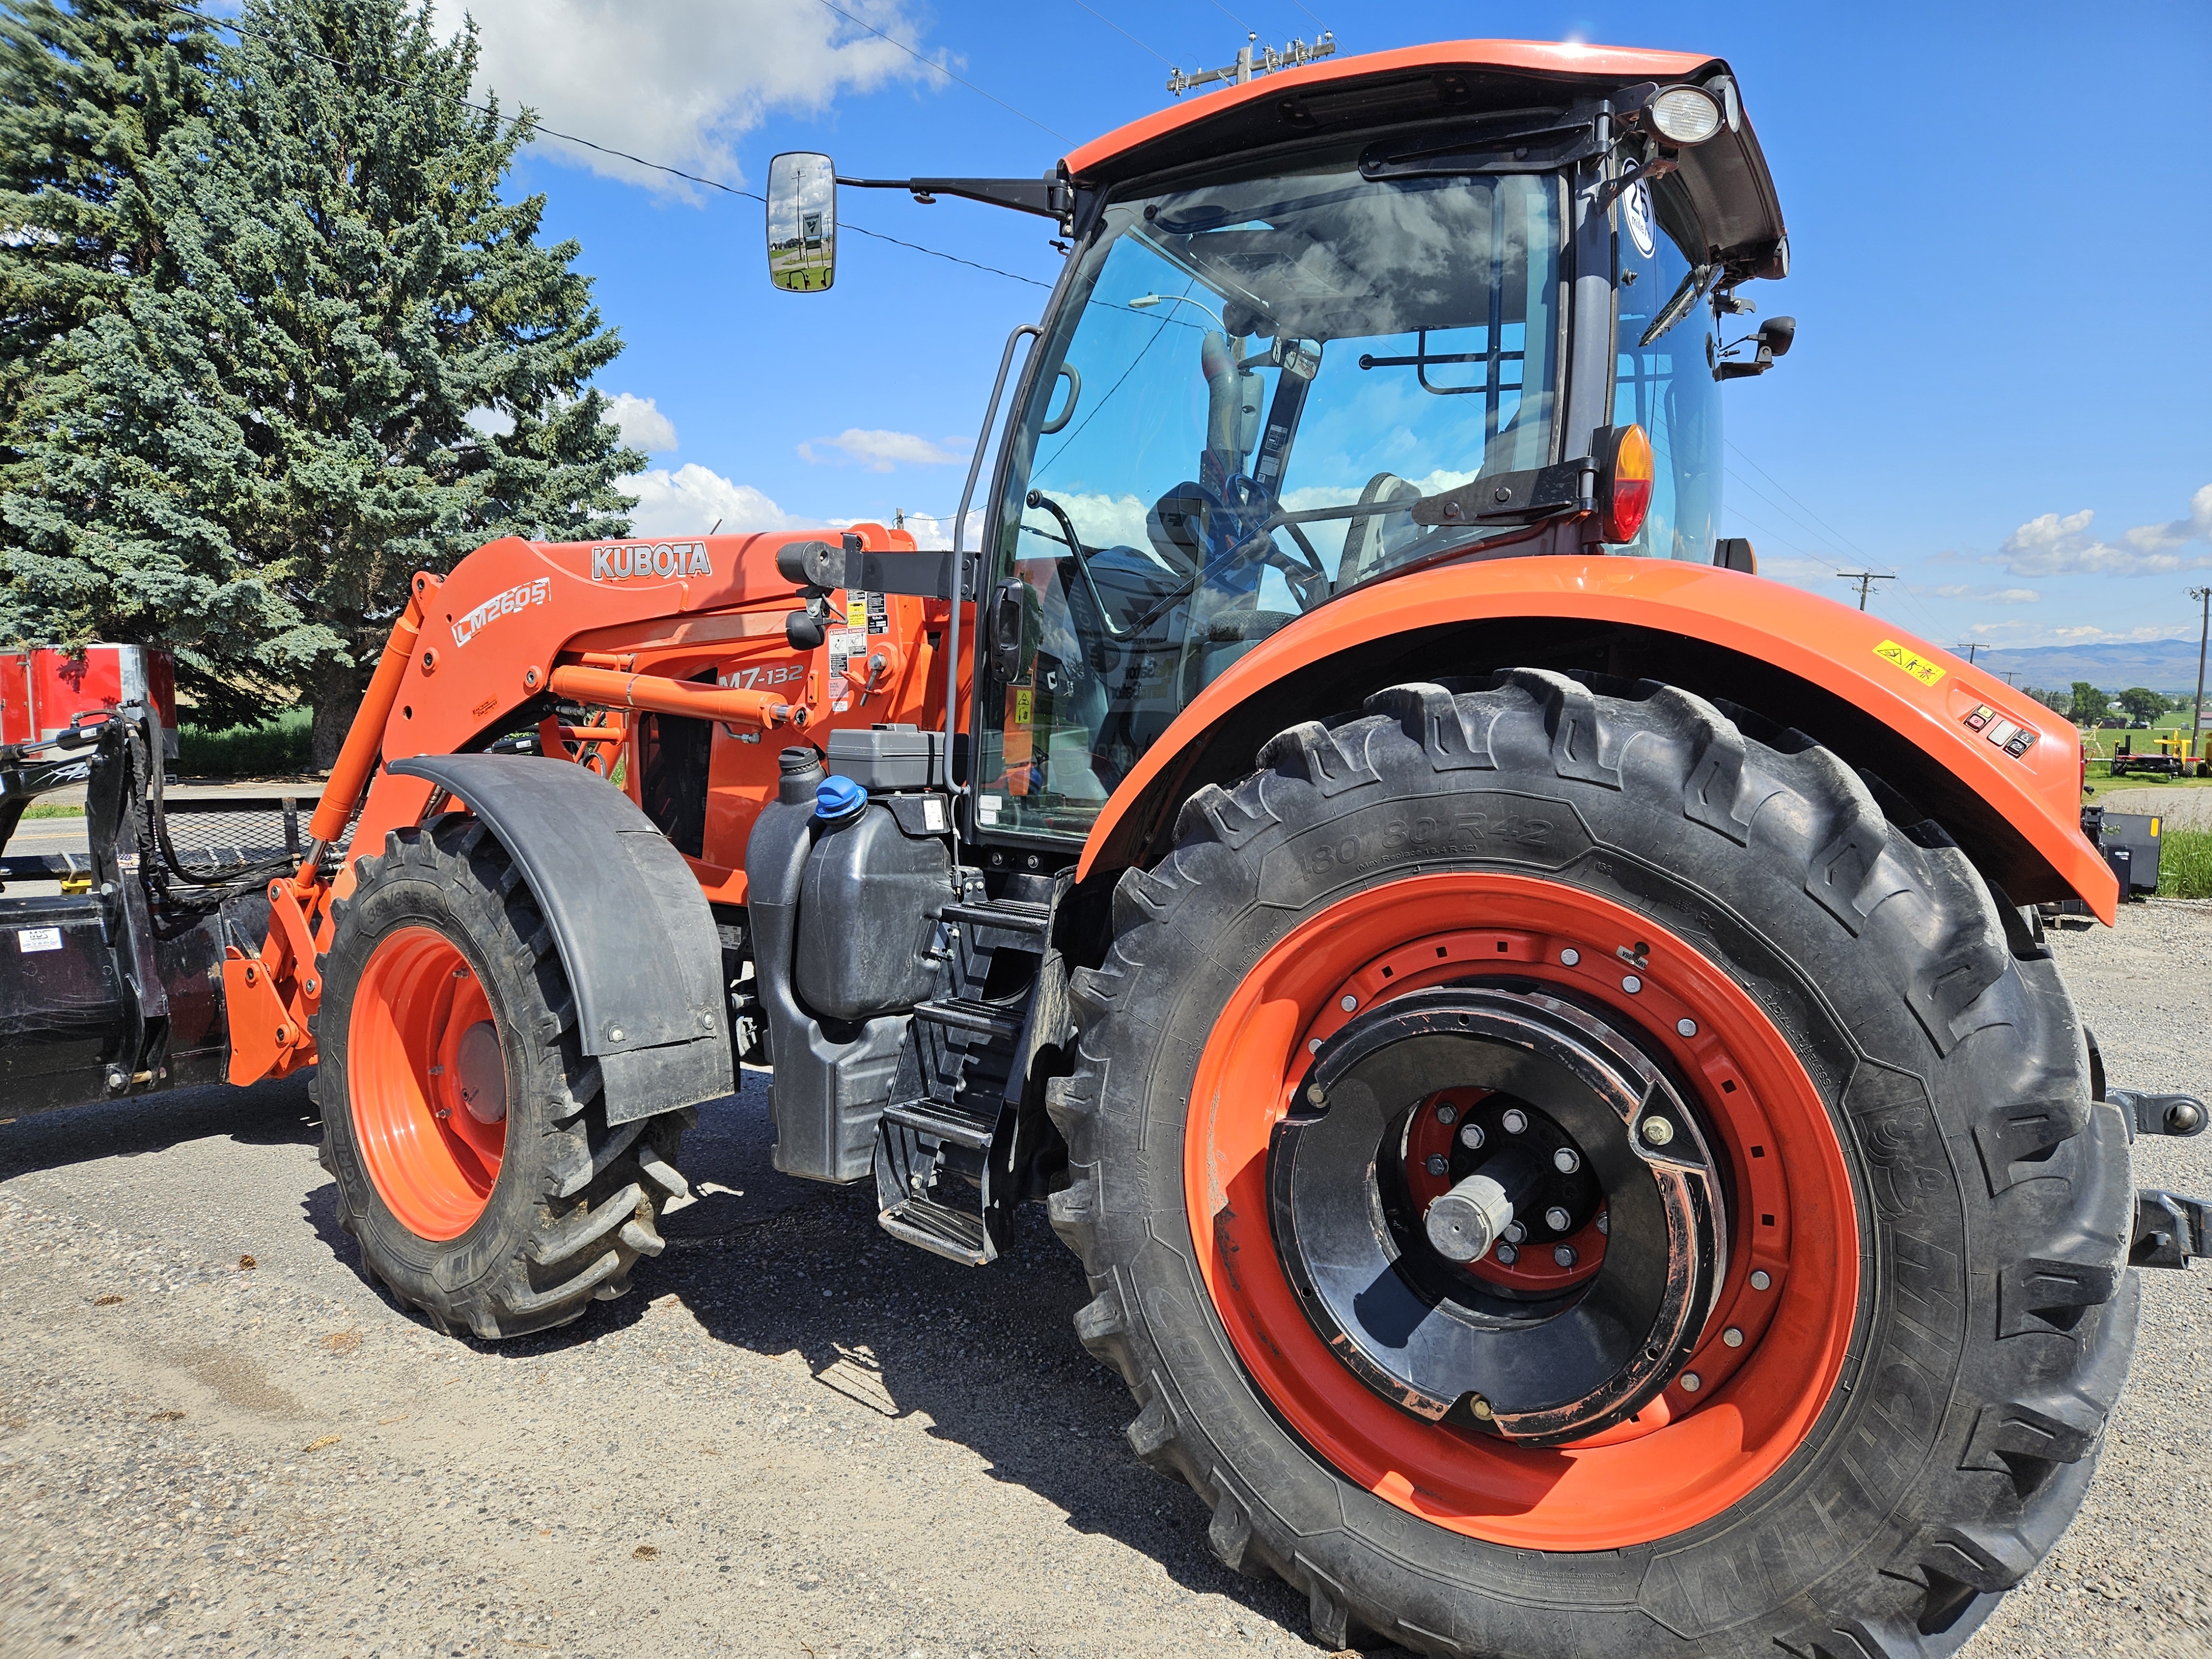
(643, 426)
(2196, 527)
(2052, 545)
(879, 452)
(679, 81)
(687, 502)
(931, 531)
(492, 422)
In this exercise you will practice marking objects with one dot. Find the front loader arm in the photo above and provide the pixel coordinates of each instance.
(469, 655)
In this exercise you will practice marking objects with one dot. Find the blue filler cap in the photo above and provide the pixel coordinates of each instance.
(838, 799)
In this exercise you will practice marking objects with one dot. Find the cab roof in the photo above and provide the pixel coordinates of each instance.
(1726, 180)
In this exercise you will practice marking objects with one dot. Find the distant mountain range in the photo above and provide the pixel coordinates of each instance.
(2162, 665)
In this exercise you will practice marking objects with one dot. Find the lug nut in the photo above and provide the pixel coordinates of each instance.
(1471, 1136)
(1318, 1095)
(1515, 1121)
(1515, 1233)
(1759, 1281)
(1563, 1255)
(1733, 1337)
(1446, 1112)
(1566, 1160)
(1604, 1223)
(1437, 1164)
(1557, 1218)
(1692, 1382)
(1657, 1130)
(1507, 1256)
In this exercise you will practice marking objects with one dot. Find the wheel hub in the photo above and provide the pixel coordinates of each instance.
(1499, 1209)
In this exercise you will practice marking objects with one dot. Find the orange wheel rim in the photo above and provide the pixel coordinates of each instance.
(1764, 1363)
(425, 1083)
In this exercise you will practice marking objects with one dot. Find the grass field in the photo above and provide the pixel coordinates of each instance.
(2185, 864)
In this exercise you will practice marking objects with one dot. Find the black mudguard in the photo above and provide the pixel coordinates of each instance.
(635, 932)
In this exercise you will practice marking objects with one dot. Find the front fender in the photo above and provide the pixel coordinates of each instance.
(636, 936)
(1881, 698)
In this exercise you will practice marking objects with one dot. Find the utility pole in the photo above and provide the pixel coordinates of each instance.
(1865, 579)
(2202, 596)
(1967, 646)
(1253, 59)
(2012, 675)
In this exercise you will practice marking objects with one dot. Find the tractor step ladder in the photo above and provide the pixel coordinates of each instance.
(946, 1146)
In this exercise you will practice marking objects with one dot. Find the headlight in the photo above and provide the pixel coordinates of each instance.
(1685, 115)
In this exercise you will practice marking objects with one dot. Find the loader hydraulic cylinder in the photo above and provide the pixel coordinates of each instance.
(609, 688)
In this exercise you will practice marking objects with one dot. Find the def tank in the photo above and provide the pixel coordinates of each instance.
(842, 907)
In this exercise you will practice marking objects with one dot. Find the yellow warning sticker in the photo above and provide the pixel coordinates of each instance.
(1021, 707)
(1910, 661)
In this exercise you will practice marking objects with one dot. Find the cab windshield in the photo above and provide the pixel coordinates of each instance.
(1251, 384)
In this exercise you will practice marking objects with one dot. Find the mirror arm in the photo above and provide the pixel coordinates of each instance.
(1049, 198)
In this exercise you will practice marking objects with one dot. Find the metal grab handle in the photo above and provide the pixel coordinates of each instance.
(959, 531)
(1038, 498)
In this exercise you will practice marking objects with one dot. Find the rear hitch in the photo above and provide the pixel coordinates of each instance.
(2171, 1230)
(2159, 1114)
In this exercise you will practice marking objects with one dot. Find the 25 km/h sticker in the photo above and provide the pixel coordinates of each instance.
(1910, 661)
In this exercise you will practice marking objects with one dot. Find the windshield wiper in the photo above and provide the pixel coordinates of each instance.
(1541, 492)
(1677, 307)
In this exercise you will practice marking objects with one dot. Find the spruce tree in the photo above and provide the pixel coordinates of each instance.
(89, 99)
(249, 462)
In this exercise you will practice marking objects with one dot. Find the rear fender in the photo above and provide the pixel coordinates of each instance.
(634, 933)
(1881, 698)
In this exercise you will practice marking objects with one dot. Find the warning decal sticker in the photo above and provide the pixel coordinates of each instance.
(1910, 661)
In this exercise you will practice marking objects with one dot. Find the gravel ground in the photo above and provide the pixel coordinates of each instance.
(2185, 808)
(796, 1438)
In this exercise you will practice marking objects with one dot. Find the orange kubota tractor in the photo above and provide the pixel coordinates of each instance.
(1540, 1037)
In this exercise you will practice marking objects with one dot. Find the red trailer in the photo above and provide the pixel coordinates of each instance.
(46, 687)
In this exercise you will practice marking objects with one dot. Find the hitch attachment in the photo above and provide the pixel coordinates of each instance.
(2159, 1114)
(2171, 1230)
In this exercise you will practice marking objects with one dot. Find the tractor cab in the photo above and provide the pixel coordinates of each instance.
(1359, 320)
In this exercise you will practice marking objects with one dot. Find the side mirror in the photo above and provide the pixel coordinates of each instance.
(802, 221)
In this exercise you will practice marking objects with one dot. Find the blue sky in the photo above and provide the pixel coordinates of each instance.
(1998, 221)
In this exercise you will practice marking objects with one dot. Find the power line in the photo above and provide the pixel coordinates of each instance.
(941, 70)
(536, 127)
(1785, 488)
(1119, 30)
(1235, 19)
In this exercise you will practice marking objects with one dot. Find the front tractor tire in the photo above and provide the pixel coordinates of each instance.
(1781, 1298)
(462, 1124)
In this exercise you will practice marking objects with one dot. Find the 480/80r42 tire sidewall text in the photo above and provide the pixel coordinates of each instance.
(1983, 1329)
(575, 1202)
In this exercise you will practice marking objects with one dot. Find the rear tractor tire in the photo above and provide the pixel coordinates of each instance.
(1781, 1299)
(461, 1121)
